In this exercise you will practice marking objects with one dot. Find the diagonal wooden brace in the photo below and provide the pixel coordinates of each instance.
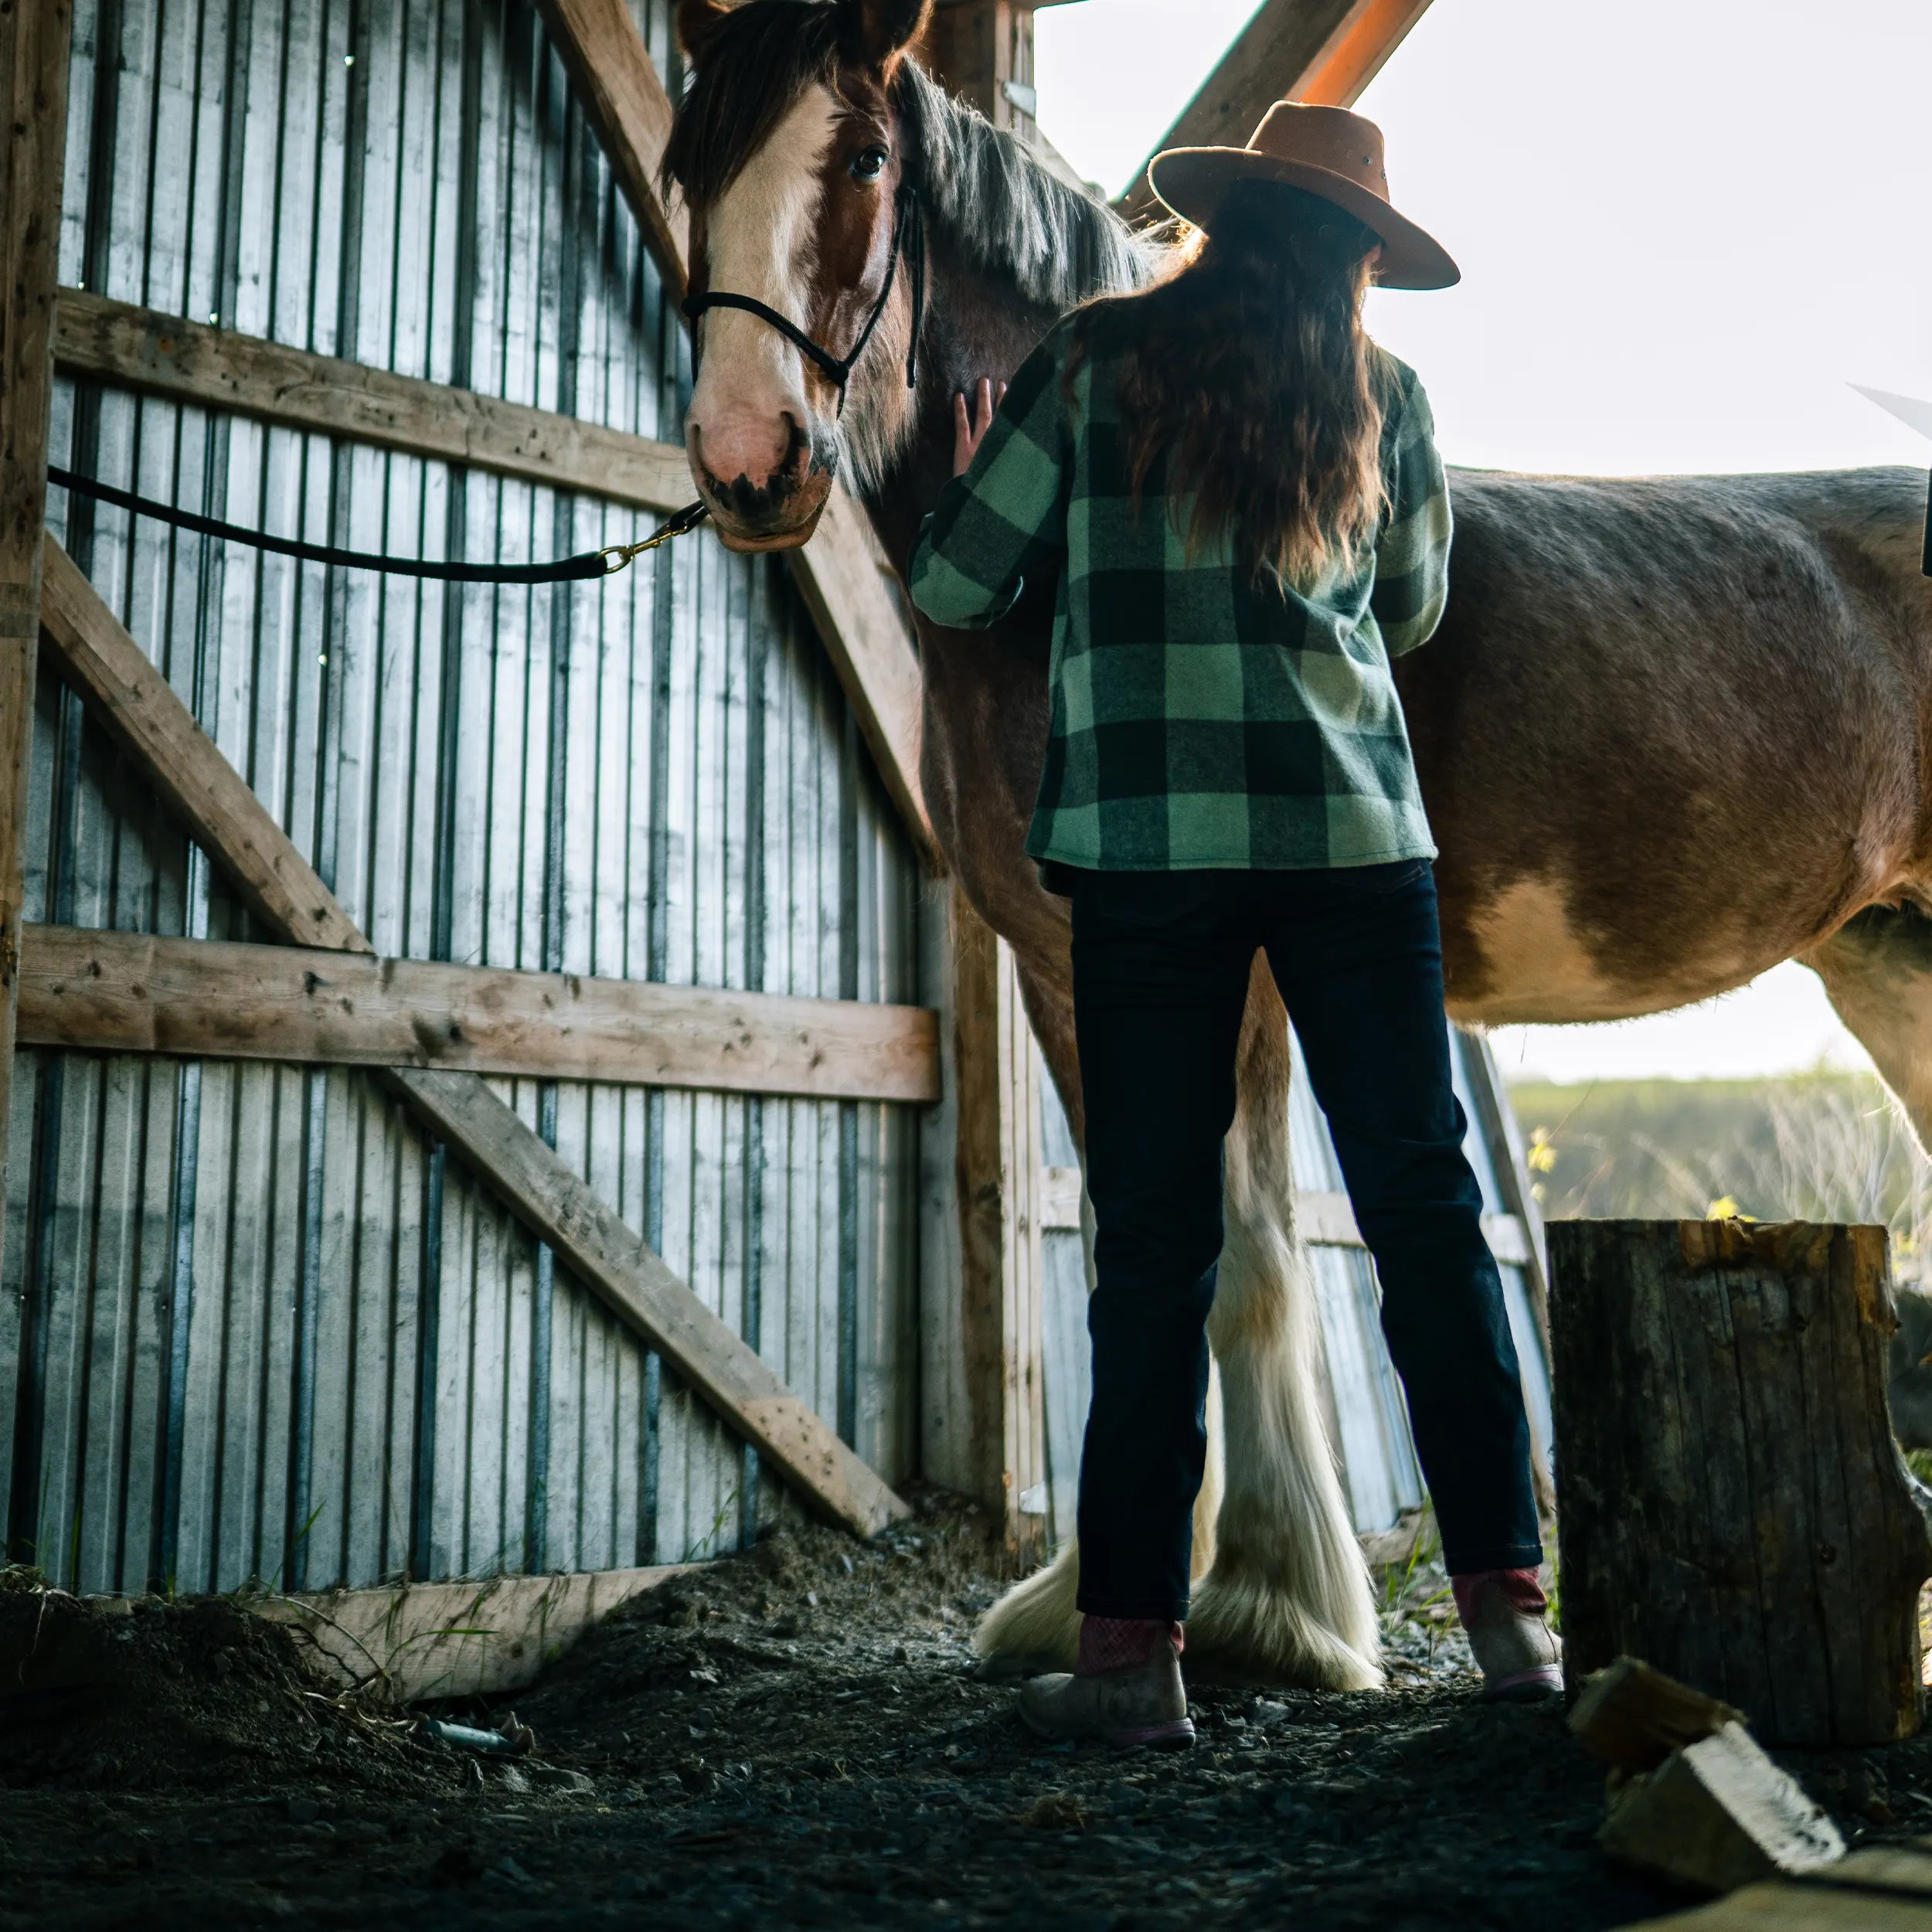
(131, 698)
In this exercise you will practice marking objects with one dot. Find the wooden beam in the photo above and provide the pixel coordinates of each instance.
(176, 757)
(143, 993)
(140, 348)
(841, 573)
(997, 1073)
(558, 1207)
(848, 588)
(982, 51)
(137, 706)
(34, 39)
(630, 114)
(1356, 54)
(1325, 1219)
(1290, 47)
(842, 576)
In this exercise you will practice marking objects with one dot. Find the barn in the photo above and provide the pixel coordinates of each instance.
(498, 1086)
(504, 1106)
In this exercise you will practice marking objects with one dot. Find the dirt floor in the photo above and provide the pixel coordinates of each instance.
(795, 1737)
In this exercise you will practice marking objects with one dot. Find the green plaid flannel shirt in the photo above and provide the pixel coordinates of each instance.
(1198, 720)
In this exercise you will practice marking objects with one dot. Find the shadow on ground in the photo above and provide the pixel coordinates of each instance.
(794, 1737)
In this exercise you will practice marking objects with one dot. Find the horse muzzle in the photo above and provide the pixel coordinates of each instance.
(777, 511)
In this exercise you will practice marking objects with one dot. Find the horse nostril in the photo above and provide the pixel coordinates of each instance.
(796, 460)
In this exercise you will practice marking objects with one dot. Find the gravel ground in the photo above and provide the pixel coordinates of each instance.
(794, 1738)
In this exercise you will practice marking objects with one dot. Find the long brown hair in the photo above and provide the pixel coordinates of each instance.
(1248, 378)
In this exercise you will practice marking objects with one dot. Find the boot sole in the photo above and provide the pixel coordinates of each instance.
(1176, 1734)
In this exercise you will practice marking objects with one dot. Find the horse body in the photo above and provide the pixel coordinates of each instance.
(1671, 731)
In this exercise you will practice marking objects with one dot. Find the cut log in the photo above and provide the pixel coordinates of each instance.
(1718, 1815)
(1731, 1504)
(1633, 1717)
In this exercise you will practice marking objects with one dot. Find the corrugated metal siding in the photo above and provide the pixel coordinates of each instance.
(268, 1330)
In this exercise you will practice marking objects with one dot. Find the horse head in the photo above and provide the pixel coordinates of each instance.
(789, 151)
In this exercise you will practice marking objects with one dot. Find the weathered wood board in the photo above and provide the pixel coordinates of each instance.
(459, 1639)
(143, 992)
(33, 86)
(163, 354)
(1888, 1889)
(183, 764)
(1731, 1506)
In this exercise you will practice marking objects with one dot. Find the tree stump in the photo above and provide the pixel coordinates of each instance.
(1731, 1505)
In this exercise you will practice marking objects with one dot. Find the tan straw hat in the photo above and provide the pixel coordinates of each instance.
(1329, 152)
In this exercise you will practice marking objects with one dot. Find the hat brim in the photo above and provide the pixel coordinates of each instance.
(1190, 181)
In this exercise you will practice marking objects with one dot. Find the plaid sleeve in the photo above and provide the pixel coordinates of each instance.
(1006, 517)
(1412, 554)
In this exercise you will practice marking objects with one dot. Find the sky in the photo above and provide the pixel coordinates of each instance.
(1686, 228)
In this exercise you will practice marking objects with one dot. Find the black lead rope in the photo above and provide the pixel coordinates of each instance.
(591, 563)
(909, 239)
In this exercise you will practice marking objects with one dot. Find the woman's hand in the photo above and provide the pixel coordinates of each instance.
(970, 424)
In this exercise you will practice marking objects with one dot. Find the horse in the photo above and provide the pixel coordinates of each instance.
(1672, 731)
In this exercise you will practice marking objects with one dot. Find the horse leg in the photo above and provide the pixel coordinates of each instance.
(1035, 1625)
(1877, 970)
(1285, 1594)
(1287, 1600)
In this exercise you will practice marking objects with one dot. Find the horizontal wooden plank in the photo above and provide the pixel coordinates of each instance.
(842, 574)
(455, 1639)
(219, 369)
(1327, 1220)
(90, 648)
(1059, 1198)
(139, 992)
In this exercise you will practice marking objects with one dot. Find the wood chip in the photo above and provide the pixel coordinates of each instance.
(1718, 1815)
(1633, 1716)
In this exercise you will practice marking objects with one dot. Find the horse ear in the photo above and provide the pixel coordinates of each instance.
(878, 30)
(697, 21)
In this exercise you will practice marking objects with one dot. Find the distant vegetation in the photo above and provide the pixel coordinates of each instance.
(1823, 1147)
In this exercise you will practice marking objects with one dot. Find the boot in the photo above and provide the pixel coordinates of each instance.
(1506, 1617)
(1126, 1689)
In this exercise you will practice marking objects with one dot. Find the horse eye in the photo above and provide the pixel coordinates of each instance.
(868, 164)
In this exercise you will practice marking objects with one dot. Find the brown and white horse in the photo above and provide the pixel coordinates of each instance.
(1673, 731)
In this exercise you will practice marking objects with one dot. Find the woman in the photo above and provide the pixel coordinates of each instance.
(1240, 498)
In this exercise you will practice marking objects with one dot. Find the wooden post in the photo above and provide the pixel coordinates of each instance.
(1731, 1506)
(982, 51)
(998, 1176)
(34, 36)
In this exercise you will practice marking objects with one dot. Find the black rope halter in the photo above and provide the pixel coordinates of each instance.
(909, 239)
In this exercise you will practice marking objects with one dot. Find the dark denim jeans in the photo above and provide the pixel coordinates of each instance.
(1161, 963)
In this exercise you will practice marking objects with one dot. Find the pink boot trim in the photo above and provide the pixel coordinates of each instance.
(1520, 1589)
(1545, 1677)
(1124, 1642)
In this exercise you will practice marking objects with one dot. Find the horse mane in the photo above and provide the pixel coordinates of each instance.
(1001, 206)
(755, 63)
(1008, 213)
